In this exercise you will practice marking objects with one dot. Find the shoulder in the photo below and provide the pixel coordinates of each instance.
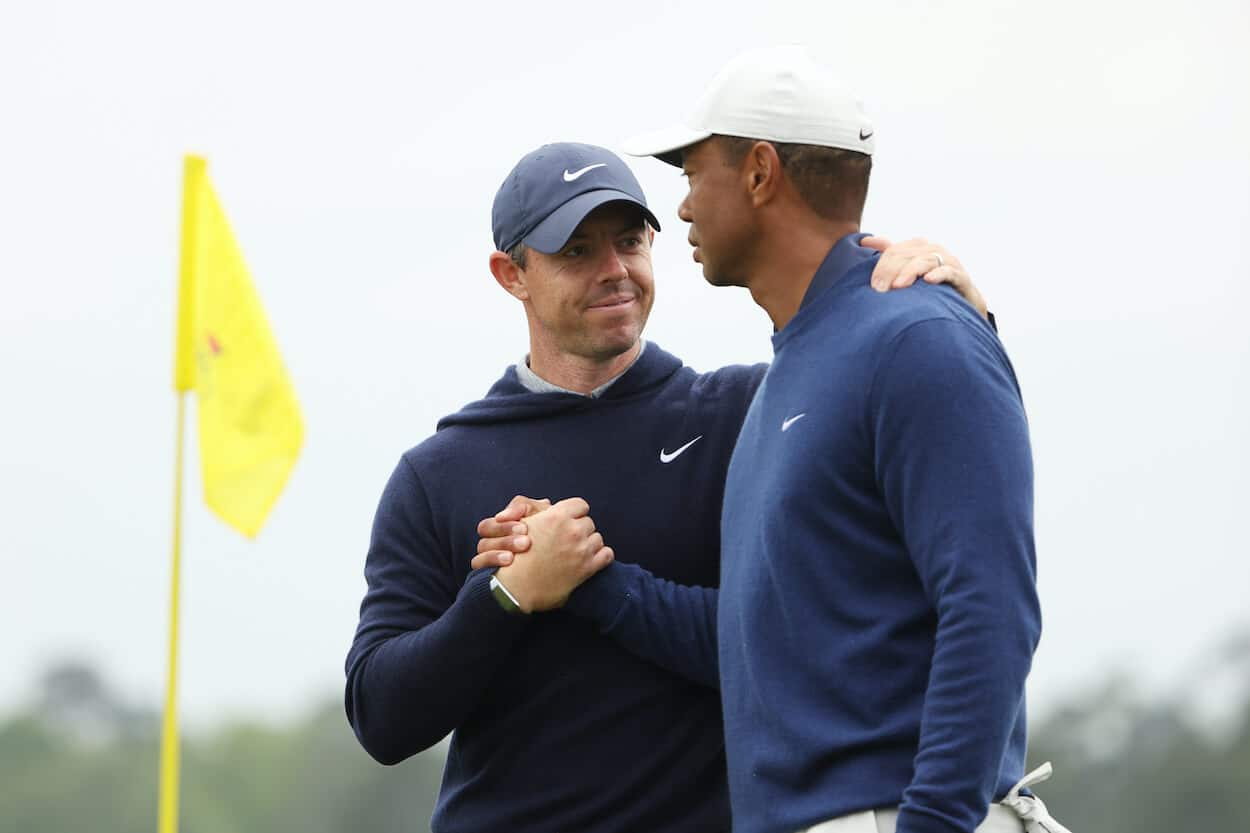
(936, 319)
(891, 314)
(434, 469)
(943, 347)
(732, 382)
(727, 391)
(450, 446)
(735, 380)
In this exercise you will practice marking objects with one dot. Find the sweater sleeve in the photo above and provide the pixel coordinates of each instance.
(954, 465)
(672, 625)
(418, 664)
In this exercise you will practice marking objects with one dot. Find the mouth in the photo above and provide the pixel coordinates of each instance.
(616, 302)
(695, 253)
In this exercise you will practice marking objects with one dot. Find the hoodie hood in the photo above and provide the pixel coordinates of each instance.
(510, 401)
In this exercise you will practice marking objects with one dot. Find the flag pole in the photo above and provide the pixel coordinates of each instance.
(184, 380)
(168, 813)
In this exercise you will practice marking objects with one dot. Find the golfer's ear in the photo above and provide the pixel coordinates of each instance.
(761, 172)
(508, 275)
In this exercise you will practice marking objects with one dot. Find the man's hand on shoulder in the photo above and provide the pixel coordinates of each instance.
(901, 264)
(561, 545)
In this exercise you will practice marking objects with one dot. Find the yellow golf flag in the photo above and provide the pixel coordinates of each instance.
(249, 420)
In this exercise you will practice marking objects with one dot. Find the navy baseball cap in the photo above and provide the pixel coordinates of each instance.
(552, 189)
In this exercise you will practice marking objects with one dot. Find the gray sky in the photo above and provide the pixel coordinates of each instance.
(1089, 162)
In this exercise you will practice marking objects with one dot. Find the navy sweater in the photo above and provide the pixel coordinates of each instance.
(878, 612)
(557, 725)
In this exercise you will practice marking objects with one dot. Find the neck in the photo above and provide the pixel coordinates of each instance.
(578, 373)
(786, 267)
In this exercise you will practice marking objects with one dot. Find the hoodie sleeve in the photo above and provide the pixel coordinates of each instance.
(418, 665)
(672, 625)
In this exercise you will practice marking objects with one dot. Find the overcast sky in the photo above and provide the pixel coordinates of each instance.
(1089, 162)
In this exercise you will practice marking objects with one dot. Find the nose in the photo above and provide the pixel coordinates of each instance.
(612, 266)
(683, 211)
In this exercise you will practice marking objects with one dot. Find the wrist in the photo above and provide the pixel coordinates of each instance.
(600, 597)
(505, 598)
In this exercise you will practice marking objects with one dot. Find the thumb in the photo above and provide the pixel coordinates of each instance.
(876, 243)
(515, 510)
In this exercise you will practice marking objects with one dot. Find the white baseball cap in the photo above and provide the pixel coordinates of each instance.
(778, 94)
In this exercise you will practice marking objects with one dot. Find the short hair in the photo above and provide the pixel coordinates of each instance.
(519, 254)
(832, 181)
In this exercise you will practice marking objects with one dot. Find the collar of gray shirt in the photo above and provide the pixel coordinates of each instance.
(534, 383)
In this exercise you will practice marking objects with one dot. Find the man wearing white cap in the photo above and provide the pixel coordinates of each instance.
(878, 611)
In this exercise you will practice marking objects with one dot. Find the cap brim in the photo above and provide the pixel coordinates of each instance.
(551, 234)
(665, 145)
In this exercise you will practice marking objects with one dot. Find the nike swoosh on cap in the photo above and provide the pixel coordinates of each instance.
(665, 457)
(786, 423)
(569, 177)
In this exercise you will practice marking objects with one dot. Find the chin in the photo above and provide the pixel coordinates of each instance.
(621, 340)
(622, 344)
(715, 278)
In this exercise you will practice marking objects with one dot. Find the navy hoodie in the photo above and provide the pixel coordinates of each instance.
(602, 716)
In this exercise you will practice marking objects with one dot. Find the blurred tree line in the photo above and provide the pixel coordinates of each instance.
(80, 759)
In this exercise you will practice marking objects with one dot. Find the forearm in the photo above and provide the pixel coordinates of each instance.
(974, 697)
(670, 624)
(407, 689)
(977, 568)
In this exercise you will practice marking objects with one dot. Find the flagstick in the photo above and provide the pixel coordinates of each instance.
(168, 812)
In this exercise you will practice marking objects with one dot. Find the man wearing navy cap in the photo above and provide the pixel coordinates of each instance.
(561, 724)
(878, 610)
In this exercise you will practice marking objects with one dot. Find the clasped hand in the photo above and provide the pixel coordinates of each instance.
(543, 550)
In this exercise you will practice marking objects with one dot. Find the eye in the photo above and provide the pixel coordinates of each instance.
(574, 251)
(631, 242)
